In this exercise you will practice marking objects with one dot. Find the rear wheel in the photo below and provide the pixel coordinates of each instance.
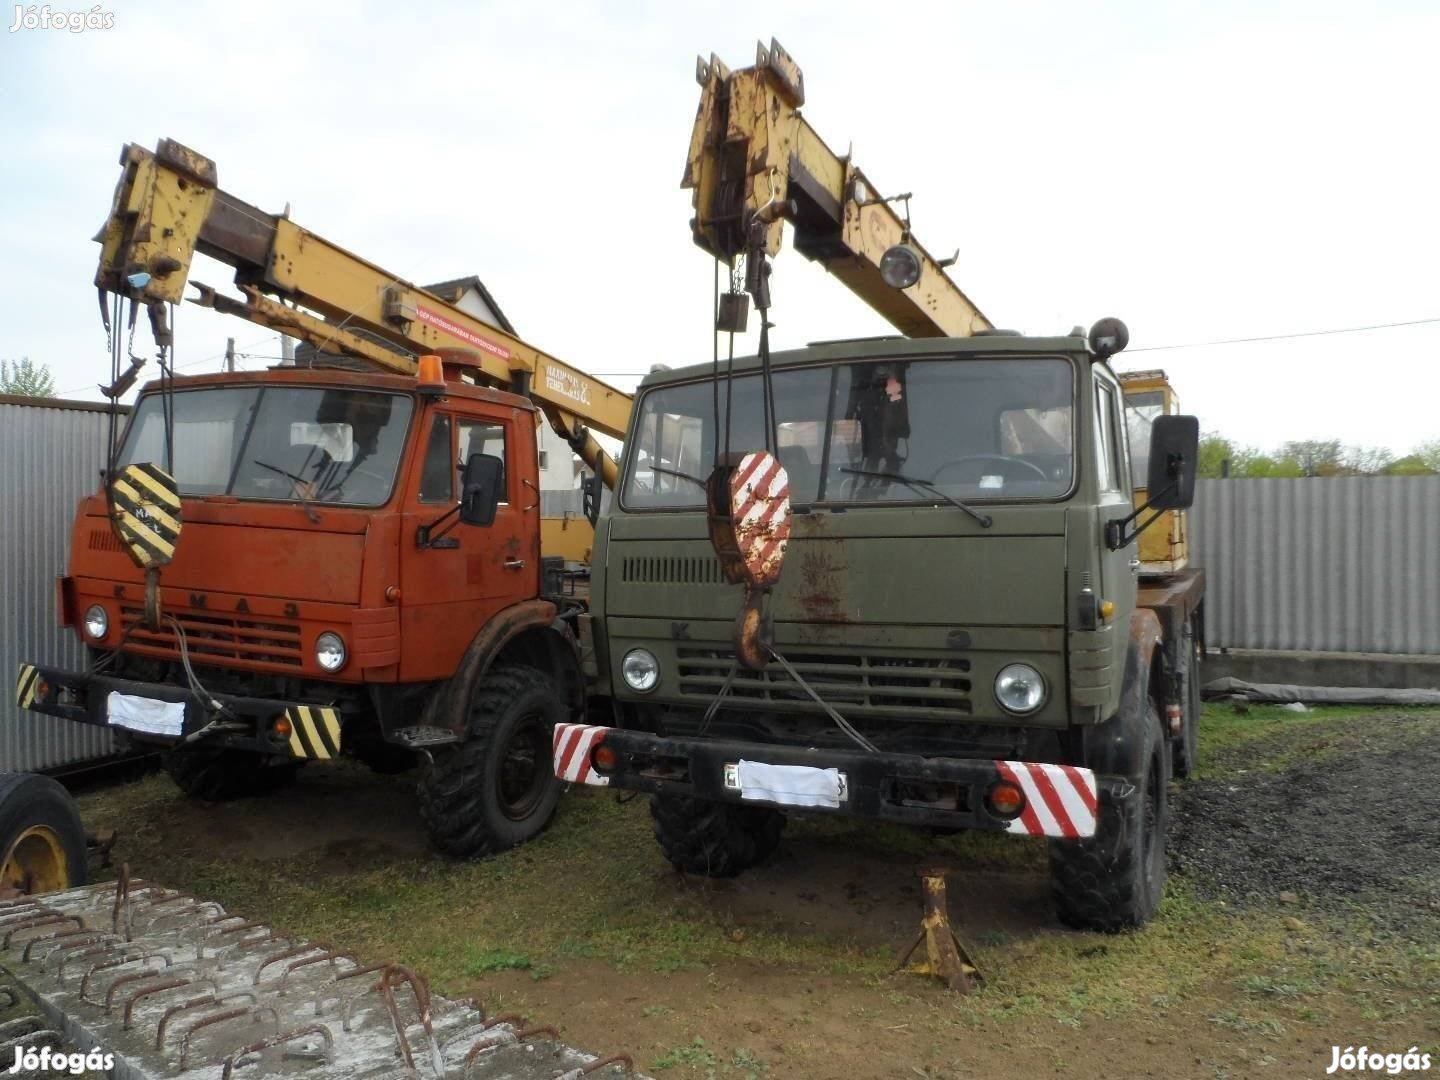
(221, 775)
(712, 838)
(498, 788)
(1114, 881)
(42, 843)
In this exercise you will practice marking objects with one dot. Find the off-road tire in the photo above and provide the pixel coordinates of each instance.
(498, 788)
(28, 800)
(1183, 746)
(223, 775)
(385, 759)
(713, 838)
(1114, 881)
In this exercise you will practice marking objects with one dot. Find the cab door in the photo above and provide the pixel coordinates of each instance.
(1119, 569)
(459, 576)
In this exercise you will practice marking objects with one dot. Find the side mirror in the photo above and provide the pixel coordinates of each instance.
(590, 491)
(1174, 455)
(480, 489)
(1170, 485)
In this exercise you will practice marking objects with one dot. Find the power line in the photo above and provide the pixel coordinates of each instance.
(1284, 337)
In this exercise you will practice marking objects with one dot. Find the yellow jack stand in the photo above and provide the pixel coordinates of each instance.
(946, 957)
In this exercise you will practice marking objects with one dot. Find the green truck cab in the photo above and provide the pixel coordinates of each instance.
(960, 637)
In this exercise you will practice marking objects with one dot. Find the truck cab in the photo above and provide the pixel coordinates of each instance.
(951, 589)
(344, 583)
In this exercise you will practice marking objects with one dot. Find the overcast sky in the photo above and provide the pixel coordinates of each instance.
(1203, 171)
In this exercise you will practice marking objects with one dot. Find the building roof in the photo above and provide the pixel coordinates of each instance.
(451, 291)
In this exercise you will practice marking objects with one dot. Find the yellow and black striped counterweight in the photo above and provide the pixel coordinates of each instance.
(314, 731)
(145, 512)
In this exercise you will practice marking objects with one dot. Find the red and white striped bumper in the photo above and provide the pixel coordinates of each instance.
(1060, 800)
(573, 746)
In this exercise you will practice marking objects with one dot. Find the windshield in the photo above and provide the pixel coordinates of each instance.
(987, 429)
(276, 442)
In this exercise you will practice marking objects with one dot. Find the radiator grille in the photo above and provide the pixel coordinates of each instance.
(220, 637)
(671, 570)
(879, 685)
(104, 540)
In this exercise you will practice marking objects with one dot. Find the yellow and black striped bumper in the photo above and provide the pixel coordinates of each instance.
(27, 684)
(280, 728)
(314, 731)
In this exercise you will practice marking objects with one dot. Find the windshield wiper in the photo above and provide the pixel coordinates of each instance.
(985, 520)
(683, 475)
(300, 485)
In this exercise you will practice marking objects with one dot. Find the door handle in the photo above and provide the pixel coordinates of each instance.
(1135, 563)
(519, 564)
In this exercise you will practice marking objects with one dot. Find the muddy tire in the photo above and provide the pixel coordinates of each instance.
(385, 759)
(1183, 747)
(223, 775)
(498, 788)
(711, 838)
(42, 843)
(1115, 880)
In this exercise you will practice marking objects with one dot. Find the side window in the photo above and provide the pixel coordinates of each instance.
(484, 437)
(437, 476)
(1107, 459)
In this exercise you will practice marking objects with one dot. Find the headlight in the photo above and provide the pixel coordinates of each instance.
(900, 266)
(330, 651)
(97, 623)
(1020, 689)
(641, 670)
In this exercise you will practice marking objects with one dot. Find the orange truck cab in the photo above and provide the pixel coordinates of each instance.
(360, 574)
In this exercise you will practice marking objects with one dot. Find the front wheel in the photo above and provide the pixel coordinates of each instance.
(1114, 881)
(498, 788)
(712, 838)
(222, 775)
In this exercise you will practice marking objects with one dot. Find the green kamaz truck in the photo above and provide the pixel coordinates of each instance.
(961, 635)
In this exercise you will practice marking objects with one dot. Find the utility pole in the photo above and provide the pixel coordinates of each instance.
(230, 354)
(287, 351)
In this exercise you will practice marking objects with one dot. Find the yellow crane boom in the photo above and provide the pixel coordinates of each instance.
(168, 206)
(755, 163)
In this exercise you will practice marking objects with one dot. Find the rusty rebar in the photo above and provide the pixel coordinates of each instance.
(221, 1018)
(196, 1003)
(58, 936)
(158, 988)
(106, 965)
(287, 954)
(278, 1040)
(40, 920)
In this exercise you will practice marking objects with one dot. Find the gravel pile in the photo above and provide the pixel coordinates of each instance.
(1356, 828)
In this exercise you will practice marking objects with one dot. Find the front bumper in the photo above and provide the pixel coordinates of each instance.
(247, 723)
(1060, 800)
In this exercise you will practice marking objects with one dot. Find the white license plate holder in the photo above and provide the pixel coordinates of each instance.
(145, 716)
(731, 774)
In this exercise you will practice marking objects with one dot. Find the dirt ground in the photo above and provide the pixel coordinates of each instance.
(1300, 915)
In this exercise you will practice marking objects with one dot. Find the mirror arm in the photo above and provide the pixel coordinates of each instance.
(427, 537)
(1116, 535)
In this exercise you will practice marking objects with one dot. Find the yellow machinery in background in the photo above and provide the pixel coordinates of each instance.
(1164, 547)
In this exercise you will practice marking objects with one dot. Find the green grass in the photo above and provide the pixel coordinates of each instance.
(1271, 738)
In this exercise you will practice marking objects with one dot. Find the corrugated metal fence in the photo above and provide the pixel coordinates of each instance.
(51, 454)
(1342, 564)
